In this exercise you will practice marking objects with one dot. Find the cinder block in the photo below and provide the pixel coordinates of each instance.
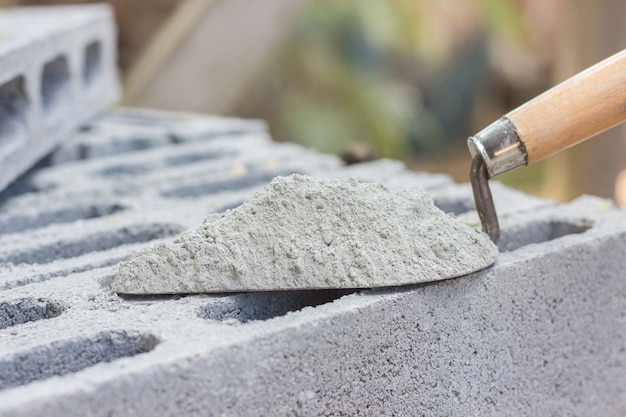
(538, 333)
(126, 130)
(57, 70)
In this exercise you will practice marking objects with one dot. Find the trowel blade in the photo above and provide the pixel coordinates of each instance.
(304, 233)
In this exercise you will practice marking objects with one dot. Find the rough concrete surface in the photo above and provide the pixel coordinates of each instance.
(300, 232)
(57, 70)
(538, 333)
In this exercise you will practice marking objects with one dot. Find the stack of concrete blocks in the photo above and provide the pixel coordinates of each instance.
(538, 333)
(57, 70)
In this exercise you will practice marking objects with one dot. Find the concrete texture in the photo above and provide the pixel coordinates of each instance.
(300, 232)
(57, 70)
(538, 333)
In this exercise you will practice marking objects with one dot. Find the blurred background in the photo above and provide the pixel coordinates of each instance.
(365, 79)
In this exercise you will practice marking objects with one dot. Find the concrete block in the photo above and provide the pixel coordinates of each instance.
(538, 333)
(57, 70)
(394, 175)
(126, 130)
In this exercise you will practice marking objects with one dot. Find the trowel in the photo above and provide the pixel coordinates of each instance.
(302, 233)
(571, 112)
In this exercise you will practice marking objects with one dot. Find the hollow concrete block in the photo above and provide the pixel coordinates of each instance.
(538, 333)
(57, 70)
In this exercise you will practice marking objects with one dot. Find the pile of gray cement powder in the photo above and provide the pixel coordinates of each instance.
(299, 232)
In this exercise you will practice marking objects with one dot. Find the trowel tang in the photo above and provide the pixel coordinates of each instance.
(569, 113)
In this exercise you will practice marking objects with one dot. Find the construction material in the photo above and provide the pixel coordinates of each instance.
(57, 70)
(304, 233)
(538, 333)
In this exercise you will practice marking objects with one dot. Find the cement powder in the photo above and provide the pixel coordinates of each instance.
(301, 232)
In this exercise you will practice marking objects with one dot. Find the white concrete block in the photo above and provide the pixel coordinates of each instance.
(57, 70)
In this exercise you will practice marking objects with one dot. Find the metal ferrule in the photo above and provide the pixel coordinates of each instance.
(500, 147)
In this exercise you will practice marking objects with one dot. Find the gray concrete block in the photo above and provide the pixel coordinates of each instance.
(538, 333)
(57, 70)
(126, 130)
(394, 175)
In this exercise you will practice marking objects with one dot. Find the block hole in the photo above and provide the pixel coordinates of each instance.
(540, 231)
(28, 221)
(124, 170)
(14, 105)
(202, 188)
(55, 83)
(92, 63)
(249, 307)
(65, 357)
(454, 206)
(116, 145)
(73, 246)
(26, 310)
(190, 158)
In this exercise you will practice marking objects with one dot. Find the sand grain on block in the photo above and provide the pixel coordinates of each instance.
(301, 232)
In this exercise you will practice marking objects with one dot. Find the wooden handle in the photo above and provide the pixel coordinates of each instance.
(573, 111)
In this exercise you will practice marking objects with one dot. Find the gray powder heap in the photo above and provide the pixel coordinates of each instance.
(300, 232)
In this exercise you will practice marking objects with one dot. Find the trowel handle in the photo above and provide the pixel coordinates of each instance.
(571, 112)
